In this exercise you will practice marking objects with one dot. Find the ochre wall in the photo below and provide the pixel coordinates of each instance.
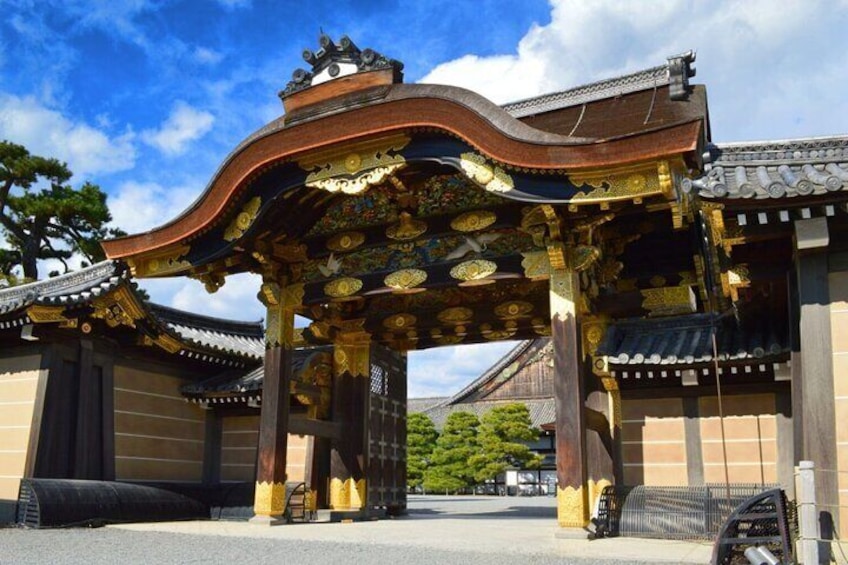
(750, 430)
(839, 332)
(18, 387)
(158, 435)
(653, 442)
(239, 438)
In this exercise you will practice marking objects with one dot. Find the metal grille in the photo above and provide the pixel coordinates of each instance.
(670, 512)
(379, 381)
(27, 514)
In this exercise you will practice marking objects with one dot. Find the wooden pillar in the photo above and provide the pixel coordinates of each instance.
(817, 404)
(572, 490)
(270, 497)
(614, 412)
(349, 454)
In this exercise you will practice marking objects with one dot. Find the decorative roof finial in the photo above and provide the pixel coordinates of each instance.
(334, 60)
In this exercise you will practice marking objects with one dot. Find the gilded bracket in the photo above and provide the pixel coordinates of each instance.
(352, 350)
(282, 304)
(669, 300)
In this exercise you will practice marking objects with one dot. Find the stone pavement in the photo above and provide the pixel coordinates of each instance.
(520, 526)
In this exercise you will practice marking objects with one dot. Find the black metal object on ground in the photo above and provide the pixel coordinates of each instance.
(669, 512)
(57, 503)
(762, 520)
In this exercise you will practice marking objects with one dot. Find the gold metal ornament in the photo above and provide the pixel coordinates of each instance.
(513, 310)
(407, 228)
(354, 168)
(400, 322)
(405, 280)
(474, 221)
(270, 498)
(456, 315)
(343, 287)
(347, 241)
(490, 177)
(474, 270)
(241, 223)
(669, 300)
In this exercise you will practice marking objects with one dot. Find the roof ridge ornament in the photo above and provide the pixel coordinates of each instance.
(336, 60)
(680, 70)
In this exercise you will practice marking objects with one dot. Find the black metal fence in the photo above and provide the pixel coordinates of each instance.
(690, 513)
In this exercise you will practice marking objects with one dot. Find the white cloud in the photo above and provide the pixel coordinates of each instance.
(87, 150)
(184, 125)
(141, 206)
(767, 75)
(446, 370)
(236, 300)
(207, 56)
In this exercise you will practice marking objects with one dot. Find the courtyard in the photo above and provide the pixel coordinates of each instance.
(469, 530)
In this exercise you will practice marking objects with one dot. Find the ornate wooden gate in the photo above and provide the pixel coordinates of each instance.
(387, 431)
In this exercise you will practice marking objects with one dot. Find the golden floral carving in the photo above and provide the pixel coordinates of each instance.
(473, 270)
(45, 314)
(631, 183)
(269, 498)
(405, 279)
(243, 220)
(536, 265)
(513, 310)
(400, 322)
(456, 315)
(490, 177)
(407, 228)
(343, 287)
(354, 168)
(347, 241)
(474, 221)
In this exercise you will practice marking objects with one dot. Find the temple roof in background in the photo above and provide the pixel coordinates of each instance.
(105, 292)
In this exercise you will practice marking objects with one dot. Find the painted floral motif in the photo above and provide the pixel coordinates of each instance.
(370, 209)
(447, 194)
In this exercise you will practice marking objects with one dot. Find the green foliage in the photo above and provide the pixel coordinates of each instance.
(449, 470)
(501, 437)
(43, 222)
(421, 436)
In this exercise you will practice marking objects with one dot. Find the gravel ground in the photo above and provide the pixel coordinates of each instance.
(466, 531)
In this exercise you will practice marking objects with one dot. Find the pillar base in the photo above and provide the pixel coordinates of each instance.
(260, 520)
(572, 507)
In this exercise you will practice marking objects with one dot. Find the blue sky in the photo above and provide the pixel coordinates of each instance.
(146, 97)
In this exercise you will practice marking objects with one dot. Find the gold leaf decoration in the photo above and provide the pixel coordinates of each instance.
(473, 270)
(456, 315)
(243, 219)
(407, 228)
(474, 221)
(341, 288)
(354, 168)
(347, 241)
(400, 322)
(405, 279)
(536, 264)
(513, 310)
(490, 177)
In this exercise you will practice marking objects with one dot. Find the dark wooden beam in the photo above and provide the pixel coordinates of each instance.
(303, 426)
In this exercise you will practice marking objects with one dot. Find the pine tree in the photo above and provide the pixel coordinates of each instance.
(502, 436)
(449, 470)
(47, 222)
(421, 436)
